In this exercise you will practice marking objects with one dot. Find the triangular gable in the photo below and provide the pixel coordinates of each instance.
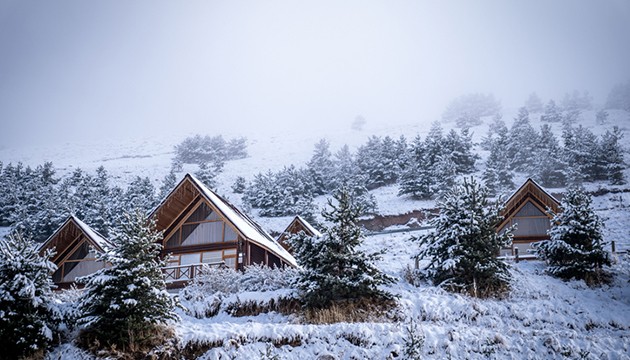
(70, 235)
(296, 225)
(189, 190)
(529, 193)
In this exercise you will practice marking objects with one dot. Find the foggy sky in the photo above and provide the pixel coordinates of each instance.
(98, 68)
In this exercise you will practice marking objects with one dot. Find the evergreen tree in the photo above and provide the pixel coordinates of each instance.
(523, 139)
(140, 194)
(533, 104)
(334, 268)
(497, 127)
(28, 323)
(415, 179)
(459, 148)
(345, 168)
(552, 113)
(168, 184)
(611, 155)
(548, 168)
(208, 173)
(601, 117)
(127, 303)
(580, 153)
(497, 175)
(321, 168)
(462, 251)
(376, 161)
(575, 248)
(239, 186)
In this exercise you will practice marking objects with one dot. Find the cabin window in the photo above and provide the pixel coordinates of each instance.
(530, 221)
(203, 226)
(81, 262)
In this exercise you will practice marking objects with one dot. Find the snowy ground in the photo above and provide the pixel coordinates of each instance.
(543, 318)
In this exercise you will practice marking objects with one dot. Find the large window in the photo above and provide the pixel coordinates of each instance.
(203, 226)
(530, 222)
(81, 262)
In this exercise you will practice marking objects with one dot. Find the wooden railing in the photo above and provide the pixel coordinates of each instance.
(186, 272)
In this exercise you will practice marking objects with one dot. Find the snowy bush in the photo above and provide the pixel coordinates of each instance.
(28, 321)
(206, 149)
(206, 294)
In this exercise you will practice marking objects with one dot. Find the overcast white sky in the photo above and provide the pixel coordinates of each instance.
(98, 68)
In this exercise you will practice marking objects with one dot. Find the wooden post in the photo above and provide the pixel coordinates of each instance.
(612, 243)
(516, 255)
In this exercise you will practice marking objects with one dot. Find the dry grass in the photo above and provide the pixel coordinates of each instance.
(358, 310)
(158, 343)
(252, 308)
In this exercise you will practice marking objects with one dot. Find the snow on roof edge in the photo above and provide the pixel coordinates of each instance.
(309, 226)
(92, 234)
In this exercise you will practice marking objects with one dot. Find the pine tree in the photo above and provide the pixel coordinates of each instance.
(552, 113)
(462, 250)
(126, 304)
(548, 168)
(497, 175)
(533, 104)
(321, 168)
(415, 179)
(523, 139)
(580, 154)
(208, 173)
(459, 149)
(601, 117)
(239, 186)
(28, 323)
(334, 268)
(611, 156)
(168, 184)
(496, 127)
(575, 248)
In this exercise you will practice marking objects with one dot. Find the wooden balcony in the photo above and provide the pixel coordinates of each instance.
(185, 273)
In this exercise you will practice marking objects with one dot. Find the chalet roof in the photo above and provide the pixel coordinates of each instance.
(305, 224)
(96, 240)
(245, 225)
(530, 190)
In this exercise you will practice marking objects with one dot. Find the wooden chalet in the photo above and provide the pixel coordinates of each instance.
(527, 209)
(75, 245)
(201, 227)
(298, 224)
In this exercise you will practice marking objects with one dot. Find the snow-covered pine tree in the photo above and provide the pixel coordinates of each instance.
(208, 173)
(371, 162)
(28, 323)
(168, 184)
(533, 104)
(127, 304)
(459, 149)
(462, 250)
(575, 248)
(601, 117)
(552, 112)
(497, 175)
(390, 160)
(443, 175)
(333, 266)
(580, 154)
(415, 179)
(522, 144)
(496, 127)
(548, 168)
(611, 156)
(321, 168)
(239, 186)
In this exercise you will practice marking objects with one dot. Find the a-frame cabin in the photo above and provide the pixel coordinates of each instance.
(201, 227)
(527, 209)
(298, 224)
(75, 245)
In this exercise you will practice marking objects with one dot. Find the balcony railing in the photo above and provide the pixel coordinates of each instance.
(186, 272)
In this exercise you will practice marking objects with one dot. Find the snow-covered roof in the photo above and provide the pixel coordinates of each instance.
(92, 234)
(96, 239)
(243, 223)
(530, 180)
(308, 226)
